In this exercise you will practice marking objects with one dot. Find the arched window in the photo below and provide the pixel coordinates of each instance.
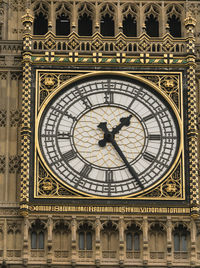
(63, 20)
(129, 26)
(181, 239)
(40, 24)
(37, 240)
(85, 25)
(157, 241)
(129, 22)
(107, 25)
(129, 241)
(85, 237)
(37, 235)
(133, 237)
(174, 26)
(151, 21)
(33, 240)
(85, 20)
(62, 25)
(152, 26)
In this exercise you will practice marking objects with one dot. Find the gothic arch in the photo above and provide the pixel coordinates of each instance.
(41, 15)
(174, 19)
(61, 238)
(157, 240)
(63, 18)
(86, 18)
(152, 19)
(107, 19)
(129, 19)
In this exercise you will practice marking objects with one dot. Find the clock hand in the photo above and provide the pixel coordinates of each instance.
(109, 137)
(125, 121)
(103, 126)
(121, 154)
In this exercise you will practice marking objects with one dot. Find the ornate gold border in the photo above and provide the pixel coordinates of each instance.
(135, 75)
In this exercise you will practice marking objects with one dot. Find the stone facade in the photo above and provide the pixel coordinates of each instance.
(163, 229)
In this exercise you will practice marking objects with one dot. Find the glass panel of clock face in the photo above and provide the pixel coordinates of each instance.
(108, 137)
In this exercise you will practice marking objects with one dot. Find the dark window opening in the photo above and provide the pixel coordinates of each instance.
(85, 25)
(129, 26)
(152, 26)
(62, 25)
(174, 26)
(33, 240)
(107, 26)
(85, 241)
(40, 24)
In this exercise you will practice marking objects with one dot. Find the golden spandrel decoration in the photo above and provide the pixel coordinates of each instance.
(49, 81)
(169, 84)
(48, 186)
(170, 188)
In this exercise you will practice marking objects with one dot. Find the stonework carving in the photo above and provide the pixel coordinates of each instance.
(15, 118)
(2, 163)
(14, 164)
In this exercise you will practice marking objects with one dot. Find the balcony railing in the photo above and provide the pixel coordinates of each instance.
(99, 43)
(37, 253)
(85, 253)
(181, 255)
(109, 254)
(157, 255)
(132, 254)
(14, 253)
(61, 254)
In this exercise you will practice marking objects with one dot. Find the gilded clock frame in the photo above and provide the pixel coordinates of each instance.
(171, 187)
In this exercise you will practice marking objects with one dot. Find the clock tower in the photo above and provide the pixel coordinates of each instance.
(108, 136)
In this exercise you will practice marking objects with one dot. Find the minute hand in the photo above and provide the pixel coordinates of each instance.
(130, 168)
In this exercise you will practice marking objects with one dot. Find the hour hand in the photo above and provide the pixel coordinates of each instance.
(103, 126)
(124, 121)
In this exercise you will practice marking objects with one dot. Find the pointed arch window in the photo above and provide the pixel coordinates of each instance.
(130, 26)
(62, 24)
(85, 25)
(85, 240)
(37, 240)
(40, 25)
(107, 25)
(152, 26)
(174, 26)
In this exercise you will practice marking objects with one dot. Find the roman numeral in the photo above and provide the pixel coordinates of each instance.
(63, 136)
(154, 137)
(148, 117)
(68, 156)
(149, 157)
(109, 176)
(86, 170)
(109, 97)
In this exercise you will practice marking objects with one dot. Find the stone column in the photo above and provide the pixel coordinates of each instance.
(192, 131)
(74, 240)
(97, 241)
(145, 240)
(121, 240)
(49, 239)
(169, 241)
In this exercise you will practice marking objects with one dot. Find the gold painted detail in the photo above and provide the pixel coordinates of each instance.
(48, 82)
(47, 186)
(171, 188)
(170, 84)
(110, 209)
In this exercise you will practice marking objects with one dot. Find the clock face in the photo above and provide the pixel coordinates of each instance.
(109, 136)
